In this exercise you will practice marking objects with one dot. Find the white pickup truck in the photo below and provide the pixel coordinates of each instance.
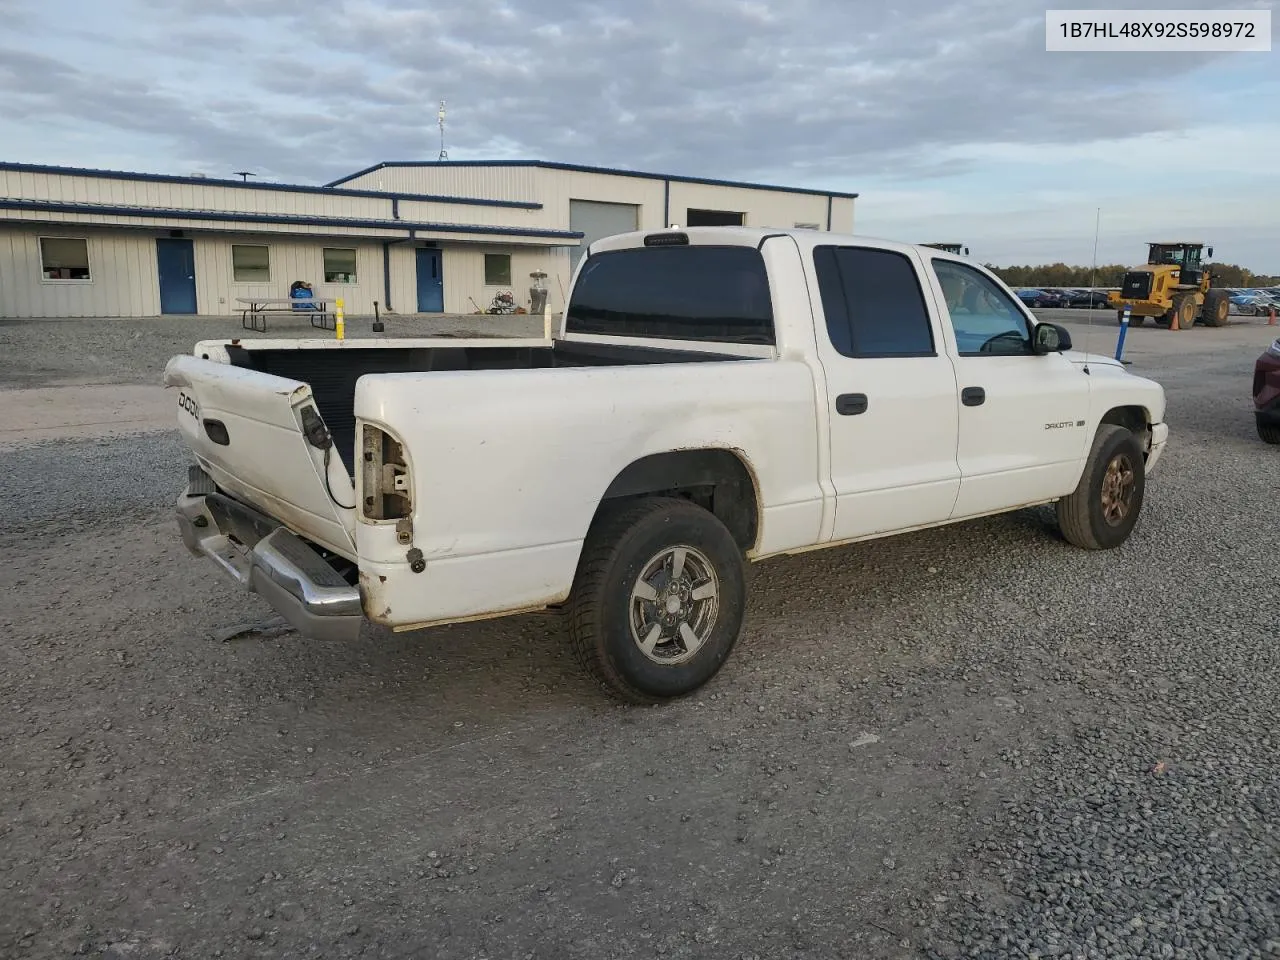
(711, 396)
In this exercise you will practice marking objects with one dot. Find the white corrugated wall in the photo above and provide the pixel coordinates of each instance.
(484, 183)
(123, 279)
(69, 188)
(555, 188)
(289, 260)
(464, 276)
(763, 208)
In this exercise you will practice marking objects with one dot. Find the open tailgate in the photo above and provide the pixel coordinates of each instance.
(249, 431)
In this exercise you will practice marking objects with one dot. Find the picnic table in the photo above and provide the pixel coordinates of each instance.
(253, 313)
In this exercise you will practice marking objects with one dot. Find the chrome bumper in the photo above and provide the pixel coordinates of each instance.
(279, 567)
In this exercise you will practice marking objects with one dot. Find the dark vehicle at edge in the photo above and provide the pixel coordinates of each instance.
(1266, 393)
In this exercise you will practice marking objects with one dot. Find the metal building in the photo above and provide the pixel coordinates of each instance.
(417, 237)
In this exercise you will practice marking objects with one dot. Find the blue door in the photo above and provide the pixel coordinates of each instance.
(430, 281)
(177, 262)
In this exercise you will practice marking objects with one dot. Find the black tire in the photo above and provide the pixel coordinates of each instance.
(1085, 518)
(1217, 308)
(1268, 432)
(1137, 320)
(603, 609)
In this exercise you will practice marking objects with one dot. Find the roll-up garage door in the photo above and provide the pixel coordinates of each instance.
(597, 220)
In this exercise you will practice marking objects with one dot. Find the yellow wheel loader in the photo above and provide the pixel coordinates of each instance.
(1172, 285)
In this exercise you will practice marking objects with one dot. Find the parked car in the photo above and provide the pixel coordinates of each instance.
(696, 409)
(1035, 297)
(1086, 298)
(1266, 393)
(1254, 303)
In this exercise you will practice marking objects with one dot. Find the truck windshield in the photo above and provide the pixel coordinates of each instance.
(674, 292)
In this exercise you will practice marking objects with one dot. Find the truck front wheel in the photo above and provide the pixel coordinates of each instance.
(1104, 508)
(658, 601)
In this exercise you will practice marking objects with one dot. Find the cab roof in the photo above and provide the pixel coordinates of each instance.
(749, 236)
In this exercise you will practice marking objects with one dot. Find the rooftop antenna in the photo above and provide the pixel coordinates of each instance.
(444, 154)
(1093, 283)
(245, 175)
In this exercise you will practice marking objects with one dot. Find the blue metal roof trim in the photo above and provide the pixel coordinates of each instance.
(580, 168)
(326, 190)
(44, 206)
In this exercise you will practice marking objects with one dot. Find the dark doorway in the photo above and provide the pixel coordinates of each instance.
(712, 218)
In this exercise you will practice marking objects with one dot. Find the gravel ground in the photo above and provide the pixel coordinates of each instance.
(51, 352)
(974, 741)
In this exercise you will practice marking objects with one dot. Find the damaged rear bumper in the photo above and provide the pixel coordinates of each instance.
(270, 560)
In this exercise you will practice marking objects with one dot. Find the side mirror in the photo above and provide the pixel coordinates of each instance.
(1210, 252)
(1050, 338)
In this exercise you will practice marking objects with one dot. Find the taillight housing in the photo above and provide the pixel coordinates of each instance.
(386, 488)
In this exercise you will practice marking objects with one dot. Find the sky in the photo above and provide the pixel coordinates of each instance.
(950, 120)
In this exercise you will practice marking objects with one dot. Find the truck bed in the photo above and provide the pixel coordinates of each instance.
(332, 374)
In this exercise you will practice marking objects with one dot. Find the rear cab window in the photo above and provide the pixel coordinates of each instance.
(676, 292)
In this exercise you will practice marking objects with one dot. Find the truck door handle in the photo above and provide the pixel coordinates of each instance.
(973, 396)
(851, 404)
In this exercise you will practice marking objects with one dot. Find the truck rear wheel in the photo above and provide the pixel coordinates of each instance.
(659, 598)
(1104, 508)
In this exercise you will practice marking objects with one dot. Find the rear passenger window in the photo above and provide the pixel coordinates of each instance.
(873, 303)
(674, 292)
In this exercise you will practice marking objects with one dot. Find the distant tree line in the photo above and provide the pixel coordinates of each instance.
(1110, 275)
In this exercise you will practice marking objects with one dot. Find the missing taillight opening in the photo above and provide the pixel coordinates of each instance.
(386, 490)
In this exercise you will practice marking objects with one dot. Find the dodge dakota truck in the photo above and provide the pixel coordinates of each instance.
(710, 397)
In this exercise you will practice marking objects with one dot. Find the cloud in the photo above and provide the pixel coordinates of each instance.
(702, 87)
(839, 93)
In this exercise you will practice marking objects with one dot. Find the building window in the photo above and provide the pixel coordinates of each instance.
(497, 269)
(339, 265)
(713, 218)
(250, 263)
(64, 258)
(808, 226)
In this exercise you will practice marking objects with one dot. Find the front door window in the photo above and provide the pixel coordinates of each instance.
(985, 319)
